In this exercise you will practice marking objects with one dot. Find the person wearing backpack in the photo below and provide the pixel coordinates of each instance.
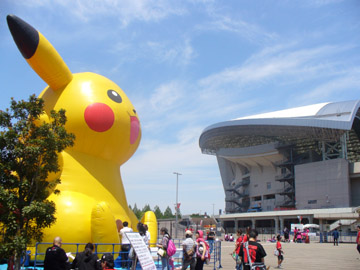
(189, 251)
(202, 250)
(164, 245)
(254, 251)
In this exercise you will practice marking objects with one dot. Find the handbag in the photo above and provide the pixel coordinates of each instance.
(255, 265)
(188, 255)
(131, 253)
(276, 252)
(236, 258)
(161, 252)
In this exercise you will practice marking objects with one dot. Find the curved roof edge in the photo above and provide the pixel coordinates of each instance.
(336, 115)
(327, 115)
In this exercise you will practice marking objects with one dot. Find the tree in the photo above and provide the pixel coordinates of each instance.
(138, 213)
(158, 213)
(146, 208)
(168, 213)
(28, 165)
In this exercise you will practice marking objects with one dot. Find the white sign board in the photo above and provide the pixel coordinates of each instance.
(142, 251)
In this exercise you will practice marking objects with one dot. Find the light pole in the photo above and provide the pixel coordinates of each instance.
(176, 207)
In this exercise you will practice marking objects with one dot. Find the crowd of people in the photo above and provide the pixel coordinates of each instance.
(301, 236)
(57, 259)
(196, 252)
(247, 244)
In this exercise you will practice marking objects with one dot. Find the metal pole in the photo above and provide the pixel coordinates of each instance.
(176, 206)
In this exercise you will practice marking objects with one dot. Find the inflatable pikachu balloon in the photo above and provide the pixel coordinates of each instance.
(92, 204)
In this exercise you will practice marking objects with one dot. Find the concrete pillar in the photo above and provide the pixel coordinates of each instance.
(276, 229)
(253, 223)
(321, 230)
(321, 225)
(311, 219)
(281, 224)
(236, 225)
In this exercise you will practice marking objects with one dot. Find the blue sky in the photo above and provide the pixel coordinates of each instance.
(188, 64)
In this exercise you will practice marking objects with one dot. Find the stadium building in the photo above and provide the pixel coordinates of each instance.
(303, 161)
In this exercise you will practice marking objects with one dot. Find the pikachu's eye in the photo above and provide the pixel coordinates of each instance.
(114, 96)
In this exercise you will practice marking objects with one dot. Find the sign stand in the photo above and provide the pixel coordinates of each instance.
(141, 250)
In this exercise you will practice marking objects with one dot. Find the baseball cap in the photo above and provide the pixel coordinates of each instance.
(108, 258)
(188, 232)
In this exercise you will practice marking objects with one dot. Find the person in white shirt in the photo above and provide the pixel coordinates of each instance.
(147, 233)
(125, 245)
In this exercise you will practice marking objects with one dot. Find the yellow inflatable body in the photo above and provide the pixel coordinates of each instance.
(92, 203)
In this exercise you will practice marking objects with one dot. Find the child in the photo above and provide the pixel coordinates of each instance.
(238, 243)
(281, 252)
(299, 237)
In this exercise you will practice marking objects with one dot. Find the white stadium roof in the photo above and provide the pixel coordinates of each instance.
(324, 121)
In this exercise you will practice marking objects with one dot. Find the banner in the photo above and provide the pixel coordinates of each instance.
(141, 250)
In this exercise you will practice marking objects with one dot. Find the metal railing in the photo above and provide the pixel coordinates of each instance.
(115, 250)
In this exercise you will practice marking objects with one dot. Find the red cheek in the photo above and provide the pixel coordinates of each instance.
(99, 117)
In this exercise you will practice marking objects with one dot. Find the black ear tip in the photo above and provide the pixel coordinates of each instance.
(25, 36)
(11, 20)
(10, 17)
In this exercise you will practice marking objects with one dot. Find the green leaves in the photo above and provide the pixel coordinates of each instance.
(29, 149)
(157, 211)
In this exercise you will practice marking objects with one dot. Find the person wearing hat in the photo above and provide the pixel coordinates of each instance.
(107, 261)
(189, 248)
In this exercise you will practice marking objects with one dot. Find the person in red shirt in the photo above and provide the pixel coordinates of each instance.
(238, 243)
(358, 240)
(279, 249)
(246, 236)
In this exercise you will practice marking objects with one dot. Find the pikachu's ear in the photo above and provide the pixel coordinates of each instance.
(39, 53)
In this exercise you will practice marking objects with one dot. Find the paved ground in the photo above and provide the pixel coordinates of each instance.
(302, 256)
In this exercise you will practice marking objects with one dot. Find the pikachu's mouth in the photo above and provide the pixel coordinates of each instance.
(134, 129)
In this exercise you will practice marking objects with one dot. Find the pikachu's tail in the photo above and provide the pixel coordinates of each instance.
(39, 53)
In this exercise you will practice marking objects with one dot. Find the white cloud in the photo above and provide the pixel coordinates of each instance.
(152, 170)
(179, 54)
(350, 81)
(276, 63)
(248, 31)
(189, 134)
(126, 11)
(166, 96)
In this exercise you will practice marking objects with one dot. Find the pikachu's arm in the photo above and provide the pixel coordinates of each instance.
(150, 220)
